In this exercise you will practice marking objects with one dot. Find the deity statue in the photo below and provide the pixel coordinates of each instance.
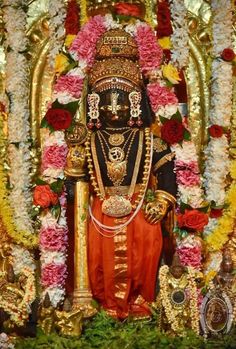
(218, 305)
(46, 315)
(123, 159)
(178, 298)
(69, 321)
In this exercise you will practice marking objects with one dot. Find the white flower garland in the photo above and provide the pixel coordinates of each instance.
(57, 13)
(217, 163)
(179, 38)
(17, 86)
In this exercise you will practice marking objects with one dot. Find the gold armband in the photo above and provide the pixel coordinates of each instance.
(156, 210)
(162, 161)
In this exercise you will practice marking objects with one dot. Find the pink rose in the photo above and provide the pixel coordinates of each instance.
(53, 238)
(70, 84)
(160, 96)
(53, 275)
(187, 177)
(54, 156)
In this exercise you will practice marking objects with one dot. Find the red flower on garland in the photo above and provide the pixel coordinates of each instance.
(228, 54)
(172, 131)
(193, 220)
(164, 27)
(216, 212)
(44, 196)
(72, 18)
(2, 108)
(128, 9)
(216, 131)
(59, 119)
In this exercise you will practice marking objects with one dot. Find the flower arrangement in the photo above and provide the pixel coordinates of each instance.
(217, 163)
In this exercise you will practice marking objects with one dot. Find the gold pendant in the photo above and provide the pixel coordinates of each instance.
(116, 171)
(116, 206)
(116, 154)
(116, 139)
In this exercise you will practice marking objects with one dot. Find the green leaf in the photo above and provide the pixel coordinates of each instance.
(184, 206)
(57, 186)
(177, 116)
(162, 119)
(40, 181)
(187, 135)
(71, 107)
(44, 123)
(56, 211)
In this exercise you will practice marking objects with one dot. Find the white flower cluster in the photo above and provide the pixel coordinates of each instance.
(179, 38)
(56, 295)
(17, 87)
(57, 13)
(217, 163)
(22, 258)
(216, 169)
(5, 342)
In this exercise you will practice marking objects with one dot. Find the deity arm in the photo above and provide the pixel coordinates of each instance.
(165, 192)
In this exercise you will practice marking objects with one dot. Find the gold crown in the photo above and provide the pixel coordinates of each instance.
(113, 73)
(117, 43)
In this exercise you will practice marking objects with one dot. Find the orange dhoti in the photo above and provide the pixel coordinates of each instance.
(123, 268)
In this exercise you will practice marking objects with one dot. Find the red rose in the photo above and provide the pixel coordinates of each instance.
(193, 220)
(216, 131)
(59, 119)
(164, 27)
(44, 196)
(227, 54)
(72, 18)
(128, 9)
(216, 213)
(172, 131)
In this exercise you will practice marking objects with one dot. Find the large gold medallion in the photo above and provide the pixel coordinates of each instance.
(116, 139)
(116, 206)
(116, 154)
(116, 171)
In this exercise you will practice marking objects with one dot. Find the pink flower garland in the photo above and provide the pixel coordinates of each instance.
(84, 45)
(187, 174)
(69, 84)
(54, 156)
(53, 238)
(53, 275)
(190, 256)
(160, 96)
(150, 53)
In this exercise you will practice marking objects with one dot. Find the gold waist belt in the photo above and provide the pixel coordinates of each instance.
(121, 190)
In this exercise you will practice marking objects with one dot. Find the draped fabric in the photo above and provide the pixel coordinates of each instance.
(123, 268)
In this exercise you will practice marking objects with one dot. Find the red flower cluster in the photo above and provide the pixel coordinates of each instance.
(228, 54)
(72, 18)
(164, 27)
(59, 119)
(216, 131)
(44, 197)
(128, 9)
(172, 131)
(193, 220)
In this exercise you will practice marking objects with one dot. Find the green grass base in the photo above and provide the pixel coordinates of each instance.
(105, 333)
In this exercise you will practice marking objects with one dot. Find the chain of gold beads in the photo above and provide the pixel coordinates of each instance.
(146, 171)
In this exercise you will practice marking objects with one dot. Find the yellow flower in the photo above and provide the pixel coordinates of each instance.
(210, 276)
(165, 43)
(233, 170)
(171, 73)
(61, 63)
(69, 39)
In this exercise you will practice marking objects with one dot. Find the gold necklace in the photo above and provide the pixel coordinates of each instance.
(97, 182)
(116, 139)
(117, 163)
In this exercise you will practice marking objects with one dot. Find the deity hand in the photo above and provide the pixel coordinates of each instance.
(156, 210)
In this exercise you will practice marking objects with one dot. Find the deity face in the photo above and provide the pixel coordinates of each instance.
(114, 108)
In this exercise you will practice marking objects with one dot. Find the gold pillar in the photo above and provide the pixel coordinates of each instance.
(82, 293)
